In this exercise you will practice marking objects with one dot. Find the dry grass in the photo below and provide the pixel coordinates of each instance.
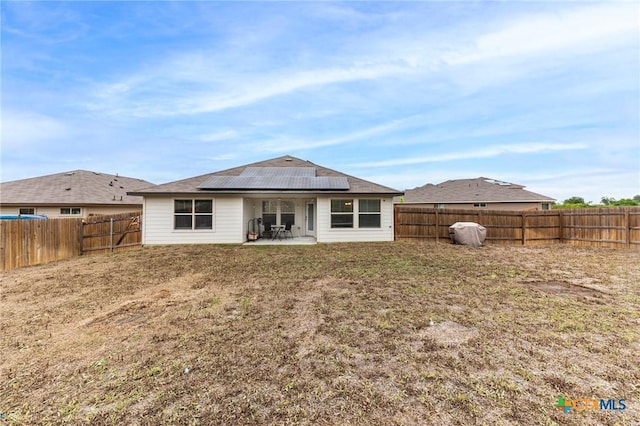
(386, 333)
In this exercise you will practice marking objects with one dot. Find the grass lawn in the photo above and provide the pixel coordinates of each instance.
(381, 333)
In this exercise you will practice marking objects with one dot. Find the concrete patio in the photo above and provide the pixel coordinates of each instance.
(282, 241)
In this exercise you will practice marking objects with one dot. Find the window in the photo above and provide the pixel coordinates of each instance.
(369, 213)
(479, 204)
(70, 210)
(27, 210)
(545, 206)
(274, 209)
(438, 206)
(287, 212)
(342, 213)
(269, 212)
(193, 214)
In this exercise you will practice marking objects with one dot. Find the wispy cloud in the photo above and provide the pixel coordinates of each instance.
(123, 97)
(483, 153)
(583, 28)
(284, 144)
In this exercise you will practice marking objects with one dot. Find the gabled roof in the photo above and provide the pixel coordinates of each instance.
(78, 188)
(283, 174)
(479, 190)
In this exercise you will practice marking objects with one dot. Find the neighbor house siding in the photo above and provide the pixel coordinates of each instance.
(490, 206)
(158, 222)
(326, 234)
(53, 212)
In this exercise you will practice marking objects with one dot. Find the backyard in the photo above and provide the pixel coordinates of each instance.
(365, 333)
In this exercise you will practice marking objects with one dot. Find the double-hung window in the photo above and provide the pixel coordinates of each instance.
(369, 213)
(70, 210)
(287, 212)
(193, 214)
(269, 212)
(342, 213)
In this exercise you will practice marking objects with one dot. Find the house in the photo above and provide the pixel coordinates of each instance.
(476, 193)
(222, 207)
(78, 193)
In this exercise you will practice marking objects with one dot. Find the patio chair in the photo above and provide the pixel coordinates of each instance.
(287, 230)
(268, 232)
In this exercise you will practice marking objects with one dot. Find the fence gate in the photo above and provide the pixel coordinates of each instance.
(101, 234)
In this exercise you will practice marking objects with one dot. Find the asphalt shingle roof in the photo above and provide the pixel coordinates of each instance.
(78, 187)
(479, 190)
(193, 185)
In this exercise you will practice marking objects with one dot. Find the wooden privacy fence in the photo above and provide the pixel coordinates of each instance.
(32, 242)
(603, 227)
(102, 234)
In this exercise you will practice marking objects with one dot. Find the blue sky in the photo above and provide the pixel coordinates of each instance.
(544, 94)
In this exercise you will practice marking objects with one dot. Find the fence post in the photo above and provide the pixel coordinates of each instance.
(524, 229)
(395, 222)
(627, 226)
(437, 226)
(111, 234)
(81, 234)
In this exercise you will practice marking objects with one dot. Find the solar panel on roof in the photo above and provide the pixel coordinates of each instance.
(279, 171)
(276, 182)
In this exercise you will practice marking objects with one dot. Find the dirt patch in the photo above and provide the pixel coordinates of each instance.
(447, 334)
(567, 289)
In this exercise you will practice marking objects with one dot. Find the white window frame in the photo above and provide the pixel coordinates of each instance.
(72, 211)
(377, 213)
(480, 205)
(283, 212)
(193, 214)
(342, 213)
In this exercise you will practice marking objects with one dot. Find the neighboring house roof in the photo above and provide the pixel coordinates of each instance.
(282, 174)
(78, 187)
(483, 190)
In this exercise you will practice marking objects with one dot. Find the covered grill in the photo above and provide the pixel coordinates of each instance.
(467, 233)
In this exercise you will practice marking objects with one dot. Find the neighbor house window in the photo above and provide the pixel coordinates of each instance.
(545, 206)
(193, 214)
(342, 213)
(27, 210)
(438, 206)
(369, 213)
(70, 210)
(479, 204)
